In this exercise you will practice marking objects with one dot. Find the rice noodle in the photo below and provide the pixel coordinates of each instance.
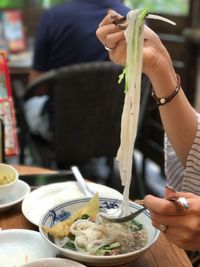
(134, 38)
(91, 236)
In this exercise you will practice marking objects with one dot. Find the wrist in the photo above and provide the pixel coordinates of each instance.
(163, 79)
(164, 85)
(162, 75)
(164, 100)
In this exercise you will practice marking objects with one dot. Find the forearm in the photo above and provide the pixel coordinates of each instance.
(178, 116)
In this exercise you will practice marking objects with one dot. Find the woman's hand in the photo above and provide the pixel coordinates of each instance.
(155, 56)
(183, 225)
(112, 36)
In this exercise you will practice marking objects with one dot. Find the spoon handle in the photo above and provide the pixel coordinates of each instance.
(125, 218)
(81, 181)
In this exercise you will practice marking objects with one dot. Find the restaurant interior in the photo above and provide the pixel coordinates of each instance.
(182, 43)
(87, 104)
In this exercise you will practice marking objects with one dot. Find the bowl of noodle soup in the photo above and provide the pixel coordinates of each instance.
(99, 244)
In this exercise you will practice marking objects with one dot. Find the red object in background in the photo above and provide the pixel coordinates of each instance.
(7, 113)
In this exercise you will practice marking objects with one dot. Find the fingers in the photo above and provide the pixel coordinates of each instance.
(182, 236)
(175, 235)
(170, 193)
(102, 32)
(167, 220)
(162, 206)
(111, 40)
(186, 195)
(110, 18)
(118, 54)
(108, 33)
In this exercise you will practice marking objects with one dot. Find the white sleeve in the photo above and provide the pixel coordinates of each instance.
(180, 178)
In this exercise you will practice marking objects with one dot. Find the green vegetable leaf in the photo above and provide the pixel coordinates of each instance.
(70, 245)
(105, 249)
(137, 226)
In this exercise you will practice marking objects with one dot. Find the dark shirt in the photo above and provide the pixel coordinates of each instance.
(67, 33)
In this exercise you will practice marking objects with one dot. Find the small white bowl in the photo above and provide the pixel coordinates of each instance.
(53, 262)
(20, 246)
(7, 171)
(64, 210)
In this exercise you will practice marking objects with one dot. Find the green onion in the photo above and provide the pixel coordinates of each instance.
(107, 248)
(137, 226)
(70, 245)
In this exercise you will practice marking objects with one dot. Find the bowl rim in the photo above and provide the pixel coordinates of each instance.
(52, 260)
(10, 167)
(101, 258)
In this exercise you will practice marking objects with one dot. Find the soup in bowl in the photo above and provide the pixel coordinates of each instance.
(78, 231)
(8, 179)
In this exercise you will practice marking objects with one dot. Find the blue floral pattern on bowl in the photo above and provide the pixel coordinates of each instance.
(59, 217)
(63, 211)
(106, 205)
(61, 214)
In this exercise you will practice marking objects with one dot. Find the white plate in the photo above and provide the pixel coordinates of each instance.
(18, 246)
(19, 192)
(54, 262)
(45, 197)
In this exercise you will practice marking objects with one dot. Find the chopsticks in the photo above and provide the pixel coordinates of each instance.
(119, 21)
(123, 22)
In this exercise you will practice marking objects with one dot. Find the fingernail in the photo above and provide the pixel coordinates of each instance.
(110, 9)
(121, 27)
(113, 16)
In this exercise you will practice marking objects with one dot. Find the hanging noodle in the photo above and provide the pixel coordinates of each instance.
(133, 70)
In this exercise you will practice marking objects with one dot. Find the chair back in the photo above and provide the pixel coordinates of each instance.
(87, 104)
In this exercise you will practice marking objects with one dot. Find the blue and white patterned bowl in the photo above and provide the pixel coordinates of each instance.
(63, 211)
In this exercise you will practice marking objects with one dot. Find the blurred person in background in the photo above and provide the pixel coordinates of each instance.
(66, 35)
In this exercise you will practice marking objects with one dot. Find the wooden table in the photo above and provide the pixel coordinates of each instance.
(32, 170)
(162, 253)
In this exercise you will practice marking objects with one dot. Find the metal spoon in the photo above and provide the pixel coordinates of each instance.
(124, 218)
(81, 182)
(118, 215)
